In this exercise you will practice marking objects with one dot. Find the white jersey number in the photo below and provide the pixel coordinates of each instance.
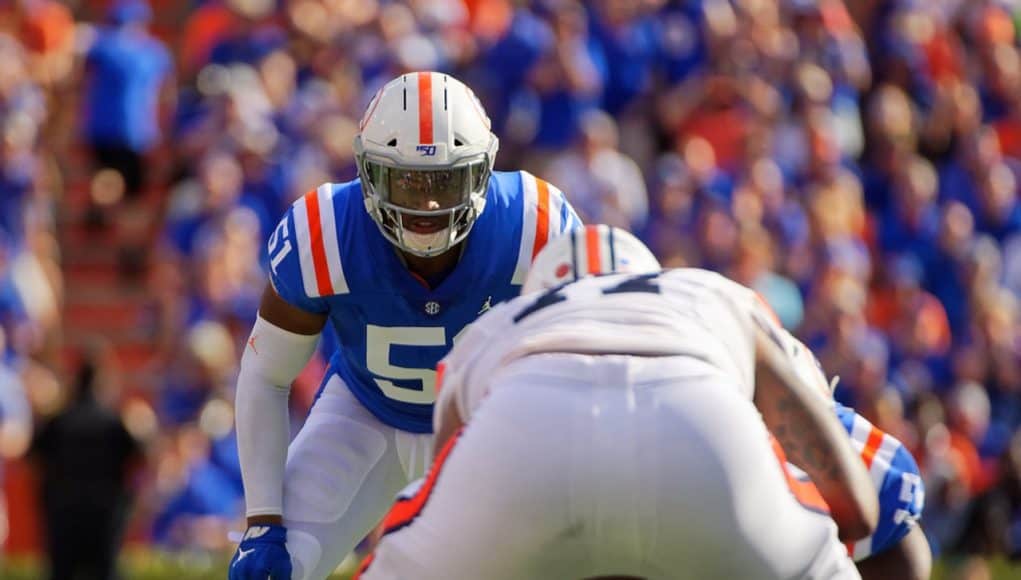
(379, 339)
(278, 246)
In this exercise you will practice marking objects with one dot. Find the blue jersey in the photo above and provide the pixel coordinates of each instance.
(895, 475)
(328, 256)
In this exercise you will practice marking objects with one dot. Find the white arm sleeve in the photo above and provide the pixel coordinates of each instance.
(272, 359)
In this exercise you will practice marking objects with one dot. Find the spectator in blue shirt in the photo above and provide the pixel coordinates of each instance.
(627, 36)
(911, 223)
(999, 212)
(567, 80)
(126, 69)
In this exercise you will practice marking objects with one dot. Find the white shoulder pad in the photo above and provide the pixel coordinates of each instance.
(542, 209)
(315, 227)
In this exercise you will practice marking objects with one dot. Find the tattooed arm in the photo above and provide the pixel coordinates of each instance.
(813, 438)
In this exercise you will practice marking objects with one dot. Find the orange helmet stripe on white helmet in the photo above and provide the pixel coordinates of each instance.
(592, 248)
(598, 249)
(425, 108)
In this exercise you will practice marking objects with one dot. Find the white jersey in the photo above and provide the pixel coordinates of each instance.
(629, 466)
(683, 312)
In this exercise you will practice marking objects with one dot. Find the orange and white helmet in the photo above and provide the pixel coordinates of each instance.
(592, 250)
(425, 153)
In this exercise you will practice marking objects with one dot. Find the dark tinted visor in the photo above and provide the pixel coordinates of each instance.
(427, 189)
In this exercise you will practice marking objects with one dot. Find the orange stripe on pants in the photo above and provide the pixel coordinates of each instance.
(364, 566)
(405, 511)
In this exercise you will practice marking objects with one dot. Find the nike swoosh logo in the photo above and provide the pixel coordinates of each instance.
(243, 553)
(486, 305)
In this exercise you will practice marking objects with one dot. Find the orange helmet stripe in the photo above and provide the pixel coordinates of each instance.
(425, 108)
(595, 263)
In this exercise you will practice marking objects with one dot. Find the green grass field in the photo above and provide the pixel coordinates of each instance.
(146, 565)
(151, 565)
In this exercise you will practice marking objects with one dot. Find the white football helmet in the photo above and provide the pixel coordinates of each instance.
(594, 249)
(425, 153)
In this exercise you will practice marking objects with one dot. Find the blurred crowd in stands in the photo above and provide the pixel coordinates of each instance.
(858, 163)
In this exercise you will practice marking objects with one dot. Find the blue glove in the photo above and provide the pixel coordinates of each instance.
(262, 554)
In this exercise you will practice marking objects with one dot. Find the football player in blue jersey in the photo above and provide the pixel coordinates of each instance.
(397, 262)
(897, 548)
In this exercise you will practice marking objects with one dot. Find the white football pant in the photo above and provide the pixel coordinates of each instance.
(582, 466)
(343, 470)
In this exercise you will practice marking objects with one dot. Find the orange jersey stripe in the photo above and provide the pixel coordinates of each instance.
(541, 217)
(592, 249)
(406, 510)
(805, 492)
(315, 230)
(425, 108)
(871, 446)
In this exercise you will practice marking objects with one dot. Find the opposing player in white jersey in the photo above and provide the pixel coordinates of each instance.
(397, 262)
(611, 428)
(898, 547)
